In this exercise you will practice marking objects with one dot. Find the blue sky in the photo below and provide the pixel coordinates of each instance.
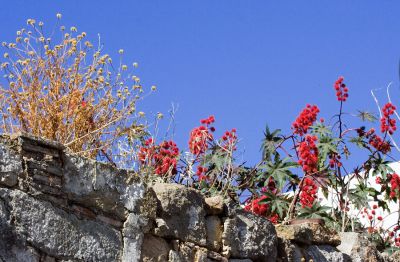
(249, 63)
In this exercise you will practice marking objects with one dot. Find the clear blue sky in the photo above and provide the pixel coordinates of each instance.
(247, 62)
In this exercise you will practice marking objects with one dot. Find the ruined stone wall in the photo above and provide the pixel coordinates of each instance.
(56, 206)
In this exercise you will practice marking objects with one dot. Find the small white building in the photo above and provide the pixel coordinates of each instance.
(389, 218)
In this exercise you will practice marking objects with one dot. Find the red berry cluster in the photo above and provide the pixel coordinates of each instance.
(394, 186)
(341, 90)
(308, 155)
(229, 140)
(388, 124)
(201, 173)
(257, 208)
(375, 140)
(308, 192)
(306, 119)
(163, 158)
(371, 214)
(395, 236)
(261, 209)
(201, 136)
(334, 160)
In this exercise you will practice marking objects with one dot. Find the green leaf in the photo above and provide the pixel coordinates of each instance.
(326, 145)
(270, 142)
(280, 170)
(320, 129)
(278, 204)
(366, 116)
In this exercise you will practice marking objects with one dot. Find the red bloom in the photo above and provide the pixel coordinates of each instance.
(377, 142)
(163, 158)
(229, 140)
(201, 173)
(199, 138)
(341, 89)
(255, 207)
(380, 218)
(394, 186)
(306, 119)
(388, 124)
(308, 192)
(308, 154)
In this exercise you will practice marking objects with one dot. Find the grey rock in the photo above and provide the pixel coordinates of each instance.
(325, 253)
(102, 186)
(359, 248)
(214, 205)
(214, 232)
(249, 236)
(10, 166)
(308, 233)
(181, 213)
(60, 234)
(154, 249)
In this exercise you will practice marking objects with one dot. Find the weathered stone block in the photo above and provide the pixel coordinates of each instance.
(308, 233)
(214, 205)
(60, 234)
(10, 166)
(249, 236)
(154, 249)
(214, 232)
(181, 213)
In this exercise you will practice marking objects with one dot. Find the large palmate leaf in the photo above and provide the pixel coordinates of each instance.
(278, 204)
(326, 145)
(366, 116)
(270, 142)
(315, 211)
(280, 170)
(321, 130)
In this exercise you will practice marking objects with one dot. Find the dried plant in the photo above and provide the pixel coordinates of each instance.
(66, 89)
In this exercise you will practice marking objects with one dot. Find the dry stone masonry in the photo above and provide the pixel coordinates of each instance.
(57, 206)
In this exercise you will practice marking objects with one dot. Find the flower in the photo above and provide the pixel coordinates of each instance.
(306, 119)
(308, 192)
(394, 186)
(388, 124)
(162, 158)
(341, 89)
(201, 136)
(308, 154)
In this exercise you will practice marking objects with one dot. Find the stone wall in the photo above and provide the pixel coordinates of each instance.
(56, 206)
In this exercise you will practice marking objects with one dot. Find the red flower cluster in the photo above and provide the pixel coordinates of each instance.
(163, 158)
(375, 140)
(201, 173)
(394, 234)
(306, 119)
(229, 140)
(200, 136)
(261, 209)
(257, 208)
(334, 160)
(341, 89)
(308, 192)
(394, 186)
(388, 124)
(308, 154)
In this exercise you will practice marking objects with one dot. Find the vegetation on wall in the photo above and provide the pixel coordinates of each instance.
(70, 91)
